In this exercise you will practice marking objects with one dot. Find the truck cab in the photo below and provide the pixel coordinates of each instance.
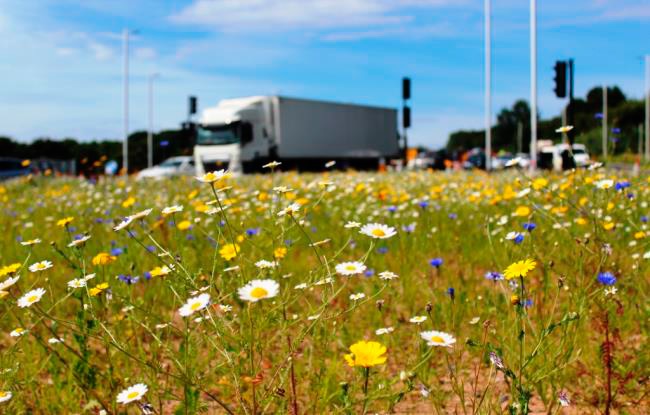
(232, 132)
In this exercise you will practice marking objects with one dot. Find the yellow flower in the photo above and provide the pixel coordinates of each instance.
(608, 226)
(160, 271)
(9, 269)
(128, 202)
(366, 354)
(522, 211)
(539, 183)
(519, 269)
(639, 235)
(184, 225)
(103, 258)
(25, 163)
(98, 289)
(229, 251)
(64, 221)
(280, 252)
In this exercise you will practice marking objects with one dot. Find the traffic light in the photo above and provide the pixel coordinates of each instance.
(192, 105)
(406, 117)
(406, 88)
(560, 79)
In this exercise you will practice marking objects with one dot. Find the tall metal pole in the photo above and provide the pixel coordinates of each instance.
(533, 84)
(488, 87)
(605, 133)
(150, 129)
(647, 107)
(125, 142)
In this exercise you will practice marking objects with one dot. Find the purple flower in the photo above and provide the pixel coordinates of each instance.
(117, 251)
(436, 262)
(529, 226)
(382, 250)
(423, 204)
(392, 209)
(494, 276)
(151, 248)
(606, 278)
(252, 231)
(622, 185)
(451, 293)
(453, 216)
(496, 361)
(644, 219)
(128, 279)
(369, 272)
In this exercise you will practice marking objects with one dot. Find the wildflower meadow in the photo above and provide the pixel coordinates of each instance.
(340, 292)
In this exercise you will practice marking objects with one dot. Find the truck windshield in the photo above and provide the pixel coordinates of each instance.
(216, 134)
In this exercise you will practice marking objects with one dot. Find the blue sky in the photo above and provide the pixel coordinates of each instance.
(61, 71)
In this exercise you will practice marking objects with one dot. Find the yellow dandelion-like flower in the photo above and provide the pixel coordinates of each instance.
(522, 211)
(65, 221)
(184, 225)
(229, 251)
(519, 269)
(280, 252)
(98, 289)
(366, 354)
(103, 258)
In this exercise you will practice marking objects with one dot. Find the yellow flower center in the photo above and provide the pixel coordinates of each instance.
(132, 395)
(350, 268)
(32, 298)
(259, 292)
(437, 339)
(378, 232)
(3, 394)
(196, 306)
(40, 266)
(209, 176)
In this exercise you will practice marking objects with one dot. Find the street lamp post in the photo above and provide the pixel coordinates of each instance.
(605, 132)
(533, 84)
(150, 113)
(125, 140)
(488, 87)
(646, 93)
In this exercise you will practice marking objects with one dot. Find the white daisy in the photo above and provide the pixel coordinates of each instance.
(264, 264)
(377, 231)
(17, 332)
(213, 176)
(258, 290)
(438, 338)
(194, 304)
(8, 282)
(141, 214)
(40, 266)
(418, 319)
(126, 222)
(79, 241)
(271, 165)
(31, 297)
(564, 129)
(77, 283)
(172, 209)
(290, 210)
(132, 393)
(350, 268)
(31, 242)
(387, 275)
(604, 184)
(384, 330)
(5, 396)
(352, 224)
(54, 340)
(357, 296)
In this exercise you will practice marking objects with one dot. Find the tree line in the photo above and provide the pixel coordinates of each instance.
(512, 130)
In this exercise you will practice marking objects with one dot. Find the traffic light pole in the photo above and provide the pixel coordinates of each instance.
(571, 112)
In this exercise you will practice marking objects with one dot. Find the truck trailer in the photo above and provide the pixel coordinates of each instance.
(243, 134)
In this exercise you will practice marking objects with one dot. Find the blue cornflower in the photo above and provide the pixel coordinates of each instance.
(117, 251)
(606, 278)
(409, 228)
(528, 303)
(436, 262)
(147, 275)
(369, 272)
(622, 185)
(519, 238)
(451, 293)
(453, 216)
(529, 226)
(252, 231)
(382, 250)
(423, 204)
(392, 209)
(644, 219)
(128, 279)
(151, 248)
(494, 276)
(190, 237)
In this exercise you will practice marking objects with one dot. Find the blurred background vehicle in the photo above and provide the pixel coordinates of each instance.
(12, 167)
(173, 166)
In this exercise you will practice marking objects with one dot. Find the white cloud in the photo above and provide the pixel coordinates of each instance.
(100, 51)
(284, 15)
(145, 53)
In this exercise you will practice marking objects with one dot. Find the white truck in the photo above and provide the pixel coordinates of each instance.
(243, 134)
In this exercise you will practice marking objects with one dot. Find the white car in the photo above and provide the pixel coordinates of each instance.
(174, 166)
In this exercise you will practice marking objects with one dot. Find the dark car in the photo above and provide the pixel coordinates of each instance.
(12, 167)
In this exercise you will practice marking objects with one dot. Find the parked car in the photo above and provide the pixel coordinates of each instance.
(12, 167)
(174, 166)
(558, 157)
